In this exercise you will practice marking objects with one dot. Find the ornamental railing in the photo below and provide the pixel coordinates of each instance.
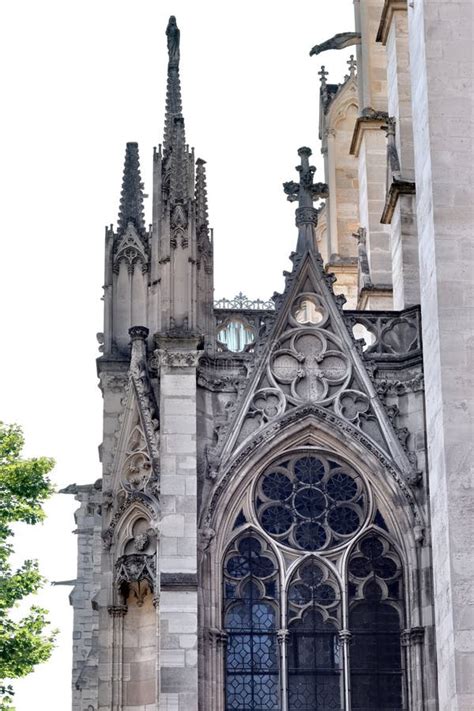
(243, 303)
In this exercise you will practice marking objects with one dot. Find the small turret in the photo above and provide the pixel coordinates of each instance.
(127, 261)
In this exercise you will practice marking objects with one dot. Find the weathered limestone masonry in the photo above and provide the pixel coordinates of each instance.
(441, 46)
(399, 210)
(178, 528)
(369, 146)
(279, 525)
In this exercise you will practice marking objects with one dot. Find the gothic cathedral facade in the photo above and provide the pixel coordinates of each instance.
(284, 521)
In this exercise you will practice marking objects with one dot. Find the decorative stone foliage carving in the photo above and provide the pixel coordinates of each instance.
(137, 466)
(178, 359)
(135, 573)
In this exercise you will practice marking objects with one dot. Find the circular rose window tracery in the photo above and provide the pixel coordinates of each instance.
(310, 502)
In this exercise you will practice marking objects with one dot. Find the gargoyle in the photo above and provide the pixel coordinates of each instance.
(339, 41)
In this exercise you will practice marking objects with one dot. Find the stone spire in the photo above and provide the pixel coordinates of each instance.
(174, 107)
(306, 192)
(131, 198)
(202, 221)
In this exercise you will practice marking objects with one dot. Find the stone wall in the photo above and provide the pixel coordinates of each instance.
(441, 77)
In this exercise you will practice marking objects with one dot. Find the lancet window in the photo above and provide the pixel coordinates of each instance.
(317, 626)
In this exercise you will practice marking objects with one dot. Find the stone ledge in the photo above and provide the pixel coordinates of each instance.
(369, 121)
(397, 188)
(389, 9)
(178, 581)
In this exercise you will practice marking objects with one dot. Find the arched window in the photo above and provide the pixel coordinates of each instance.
(375, 623)
(314, 654)
(251, 622)
(335, 638)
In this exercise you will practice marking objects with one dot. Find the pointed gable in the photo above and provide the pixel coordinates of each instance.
(310, 357)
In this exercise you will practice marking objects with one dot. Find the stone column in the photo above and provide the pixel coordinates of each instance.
(178, 359)
(400, 210)
(369, 146)
(331, 202)
(440, 35)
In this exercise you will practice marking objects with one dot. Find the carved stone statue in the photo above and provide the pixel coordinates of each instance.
(172, 33)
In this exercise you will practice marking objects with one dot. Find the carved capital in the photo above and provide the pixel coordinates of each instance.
(217, 637)
(117, 610)
(178, 359)
(306, 216)
(412, 636)
(345, 636)
(282, 636)
(138, 333)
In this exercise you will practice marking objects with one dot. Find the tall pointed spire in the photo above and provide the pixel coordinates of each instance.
(131, 198)
(173, 91)
(305, 192)
(202, 221)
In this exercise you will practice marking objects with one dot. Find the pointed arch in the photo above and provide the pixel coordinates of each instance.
(313, 426)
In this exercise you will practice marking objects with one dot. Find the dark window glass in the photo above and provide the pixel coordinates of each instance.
(313, 664)
(314, 655)
(252, 663)
(310, 503)
(374, 621)
(376, 679)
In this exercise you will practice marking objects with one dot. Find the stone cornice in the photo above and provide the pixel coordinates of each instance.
(372, 290)
(178, 581)
(371, 122)
(389, 9)
(397, 188)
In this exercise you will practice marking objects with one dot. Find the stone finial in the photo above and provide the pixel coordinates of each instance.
(131, 198)
(352, 64)
(306, 192)
(323, 75)
(174, 107)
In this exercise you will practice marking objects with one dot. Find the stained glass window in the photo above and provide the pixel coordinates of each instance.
(314, 504)
(250, 620)
(375, 624)
(310, 502)
(314, 654)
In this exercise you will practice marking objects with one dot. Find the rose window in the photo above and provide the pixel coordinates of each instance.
(310, 502)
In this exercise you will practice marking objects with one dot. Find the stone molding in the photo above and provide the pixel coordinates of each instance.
(178, 359)
(178, 581)
(369, 121)
(397, 188)
(389, 9)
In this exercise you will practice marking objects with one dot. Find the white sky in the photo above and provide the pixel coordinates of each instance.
(80, 78)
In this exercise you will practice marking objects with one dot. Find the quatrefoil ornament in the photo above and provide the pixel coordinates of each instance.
(310, 366)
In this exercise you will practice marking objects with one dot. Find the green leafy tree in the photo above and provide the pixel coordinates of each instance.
(24, 487)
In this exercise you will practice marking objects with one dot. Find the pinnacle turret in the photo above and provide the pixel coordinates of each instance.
(202, 221)
(131, 198)
(174, 107)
